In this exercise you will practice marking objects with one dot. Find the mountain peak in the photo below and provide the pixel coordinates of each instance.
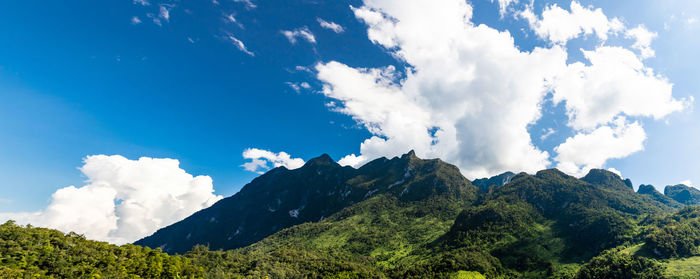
(647, 189)
(605, 177)
(322, 160)
(683, 194)
(551, 173)
(410, 155)
(498, 180)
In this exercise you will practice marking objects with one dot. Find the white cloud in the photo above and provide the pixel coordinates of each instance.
(559, 26)
(584, 151)
(294, 86)
(302, 69)
(643, 38)
(302, 32)
(124, 200)
(468, 98)
(135, 20)
(503, 5)
(297, 86)
(164, 12)
(248, 4)
(352, 160)
(232, 19)
(330, 25)
(156, 19)
(548, 132)
(470, 94)
(616, 82)
(687, 182)
(141, 2)
(260, 160)
(238, 44)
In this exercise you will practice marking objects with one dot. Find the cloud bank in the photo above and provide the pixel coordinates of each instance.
(123, 200)
(469, 94)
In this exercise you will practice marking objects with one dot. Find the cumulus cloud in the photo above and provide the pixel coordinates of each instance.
(469, 94)
(330, 25)
(239, 45)
(124, 200)
(643, 38)
(585, 151)
(559, 25)
(302, 32)
(260, 160)
(615, 82)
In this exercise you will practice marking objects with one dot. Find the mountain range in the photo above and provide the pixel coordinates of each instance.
(408, 217)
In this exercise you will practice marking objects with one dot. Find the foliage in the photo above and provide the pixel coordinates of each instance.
(286, 262)
(614, 264)
(677, 235)
(45, 253)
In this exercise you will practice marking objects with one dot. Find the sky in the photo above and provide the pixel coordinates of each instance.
(120, 117)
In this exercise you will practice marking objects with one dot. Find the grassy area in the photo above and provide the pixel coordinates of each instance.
(683, 268)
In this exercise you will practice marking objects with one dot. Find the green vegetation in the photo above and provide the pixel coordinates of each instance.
(398, 218)
(614, 264)
(28, 252)
(677, 235)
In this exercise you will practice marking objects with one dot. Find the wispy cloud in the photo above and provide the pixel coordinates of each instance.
(302, 32)
(142, 2)
(231, 18)
(330, 25)
(164, 12)
(240, 45)
(248, 4)
(135, 20)
(297, 86)
(548, 132)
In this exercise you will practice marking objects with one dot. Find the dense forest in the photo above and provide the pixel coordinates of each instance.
(399, 218)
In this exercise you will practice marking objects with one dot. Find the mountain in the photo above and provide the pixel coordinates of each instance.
(607, 178)
(403, 217)
(282, 198)
(408, 217)
(498, 180)
(547, 225)
(683, 194)
(657, 196)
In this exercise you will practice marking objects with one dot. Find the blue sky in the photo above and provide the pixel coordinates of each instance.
(80, 78)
